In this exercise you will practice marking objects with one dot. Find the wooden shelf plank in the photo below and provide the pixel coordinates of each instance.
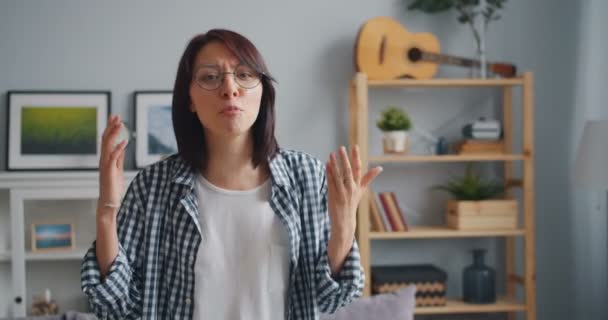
(458, 306)
(499, 82)
(57, 255)
(446, 158)
(426, 232)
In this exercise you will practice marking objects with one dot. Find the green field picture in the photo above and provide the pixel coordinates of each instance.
(58, 130)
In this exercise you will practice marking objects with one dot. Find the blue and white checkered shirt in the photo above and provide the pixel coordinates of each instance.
(159, 235)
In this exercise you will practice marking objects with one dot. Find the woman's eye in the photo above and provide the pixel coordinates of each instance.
(245, 75)
(208, 77)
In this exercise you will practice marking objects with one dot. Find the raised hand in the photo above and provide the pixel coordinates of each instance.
(346, 185)
(111, 179)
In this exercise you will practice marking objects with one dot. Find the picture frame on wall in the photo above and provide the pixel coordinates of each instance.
(153, 127)
(55, 130)
(55, 236)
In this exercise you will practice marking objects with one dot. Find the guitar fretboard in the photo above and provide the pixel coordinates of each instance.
(446, 59)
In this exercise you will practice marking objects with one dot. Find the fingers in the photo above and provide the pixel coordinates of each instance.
(109, 136)
(121, 160)
(356, 162)
(118, 152)
(370, 176)
(347, 172)
(331, 182)
(346, 178)
(336, 175)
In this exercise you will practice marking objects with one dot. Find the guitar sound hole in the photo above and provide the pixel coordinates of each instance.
(414, 54)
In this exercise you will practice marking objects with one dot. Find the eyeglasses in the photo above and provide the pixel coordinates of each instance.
(212, 77)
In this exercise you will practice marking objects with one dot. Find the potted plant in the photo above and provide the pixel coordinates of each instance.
(478, 203)
(394, 123)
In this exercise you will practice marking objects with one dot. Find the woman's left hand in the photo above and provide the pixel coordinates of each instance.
(346, 186)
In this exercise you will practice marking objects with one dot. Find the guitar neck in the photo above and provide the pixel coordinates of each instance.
(447, 59)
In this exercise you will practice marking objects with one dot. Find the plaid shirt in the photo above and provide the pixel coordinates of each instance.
(159, 236)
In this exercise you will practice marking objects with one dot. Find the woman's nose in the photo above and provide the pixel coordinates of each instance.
(229, 87)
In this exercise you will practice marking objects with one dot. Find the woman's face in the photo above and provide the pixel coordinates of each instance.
(230, 110)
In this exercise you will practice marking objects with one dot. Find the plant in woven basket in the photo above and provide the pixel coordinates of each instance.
(471, 187)
(395, 123)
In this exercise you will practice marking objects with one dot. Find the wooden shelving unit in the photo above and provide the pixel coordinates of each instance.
(358, 134)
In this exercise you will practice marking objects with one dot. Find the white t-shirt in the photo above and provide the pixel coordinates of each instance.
(242, 265)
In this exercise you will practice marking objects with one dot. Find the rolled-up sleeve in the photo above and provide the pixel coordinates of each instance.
(337, 290)
(118, 294)
(340, 289)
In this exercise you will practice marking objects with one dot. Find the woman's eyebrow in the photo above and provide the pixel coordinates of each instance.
(209, 64)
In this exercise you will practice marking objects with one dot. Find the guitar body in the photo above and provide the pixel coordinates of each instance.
(382, 51)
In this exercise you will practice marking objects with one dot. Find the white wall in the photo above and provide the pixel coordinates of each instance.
(127, 46)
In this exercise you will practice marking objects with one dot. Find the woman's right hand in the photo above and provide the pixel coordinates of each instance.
(111, 179)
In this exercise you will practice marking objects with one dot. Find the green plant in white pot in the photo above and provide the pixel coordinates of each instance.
(395, 123)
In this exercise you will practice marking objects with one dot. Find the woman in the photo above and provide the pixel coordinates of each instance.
(232, 226)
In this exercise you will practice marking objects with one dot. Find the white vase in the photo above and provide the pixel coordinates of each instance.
(480, 71)
(395, 141)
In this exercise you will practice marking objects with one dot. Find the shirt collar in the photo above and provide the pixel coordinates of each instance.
(279, 171)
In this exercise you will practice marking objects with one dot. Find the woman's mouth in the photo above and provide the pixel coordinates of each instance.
(231, 111)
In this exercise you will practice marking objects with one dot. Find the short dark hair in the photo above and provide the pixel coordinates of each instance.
(189, 132)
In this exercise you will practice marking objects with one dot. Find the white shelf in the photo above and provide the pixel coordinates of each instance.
(77, 254)
(36, 179)
(24, 186)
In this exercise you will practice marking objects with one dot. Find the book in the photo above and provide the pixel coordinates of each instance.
(400, 211)
(374, 215)
(392, 213)
(382, 211)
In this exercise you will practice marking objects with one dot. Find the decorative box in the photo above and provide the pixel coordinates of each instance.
(429, 280)
(482, 215)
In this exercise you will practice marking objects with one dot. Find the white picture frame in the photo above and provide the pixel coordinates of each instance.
(55, 130)
(154, 135)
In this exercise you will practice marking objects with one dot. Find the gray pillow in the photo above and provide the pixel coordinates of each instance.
(388, 306)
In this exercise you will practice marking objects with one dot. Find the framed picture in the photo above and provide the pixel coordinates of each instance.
(55, 130)
(153, 126)
(53, 236)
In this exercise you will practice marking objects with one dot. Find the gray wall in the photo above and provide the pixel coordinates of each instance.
(127, 46)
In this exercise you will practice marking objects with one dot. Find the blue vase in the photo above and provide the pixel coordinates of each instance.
(479, 280)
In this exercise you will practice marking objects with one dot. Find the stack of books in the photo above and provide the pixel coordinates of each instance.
(385, 213)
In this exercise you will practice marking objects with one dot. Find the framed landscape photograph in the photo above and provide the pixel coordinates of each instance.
(55, 130)
(53, 236)
(155, 138)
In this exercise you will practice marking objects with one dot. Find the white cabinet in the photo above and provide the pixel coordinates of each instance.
(28, 197)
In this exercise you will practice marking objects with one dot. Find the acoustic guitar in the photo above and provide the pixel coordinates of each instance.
(386, 50)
